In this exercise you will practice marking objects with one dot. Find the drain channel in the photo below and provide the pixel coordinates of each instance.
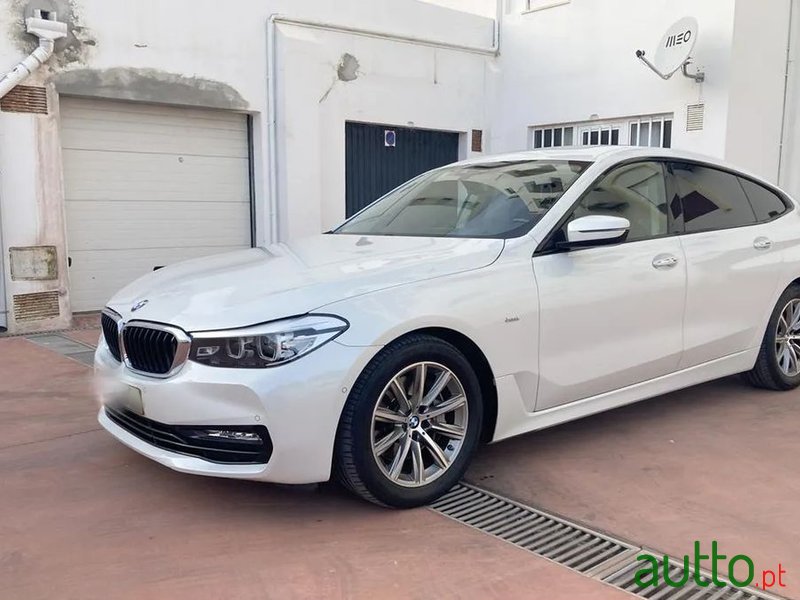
(591, 553)
(83, 353)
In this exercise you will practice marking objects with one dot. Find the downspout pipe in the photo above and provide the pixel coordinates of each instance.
(786, 80)
(44, 26)
(272, 72)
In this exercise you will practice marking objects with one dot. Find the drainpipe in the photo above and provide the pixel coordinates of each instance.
(272, 71)
(43, 25)
(785, 90)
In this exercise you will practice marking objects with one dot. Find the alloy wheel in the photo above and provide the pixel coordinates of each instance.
(787, 339)
(419, 424)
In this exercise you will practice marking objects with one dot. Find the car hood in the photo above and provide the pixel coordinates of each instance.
(262, 284)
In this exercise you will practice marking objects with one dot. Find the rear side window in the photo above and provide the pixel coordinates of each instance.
(766, 204)
(711, 199)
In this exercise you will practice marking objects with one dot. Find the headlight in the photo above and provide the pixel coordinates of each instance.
(265, 345)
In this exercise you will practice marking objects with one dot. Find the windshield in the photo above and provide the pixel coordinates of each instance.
(490, 200)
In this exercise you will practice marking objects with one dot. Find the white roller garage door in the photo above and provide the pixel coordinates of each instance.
(147, 186)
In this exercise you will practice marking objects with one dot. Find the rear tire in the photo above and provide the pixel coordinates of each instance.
(778, 364)
(401, 447)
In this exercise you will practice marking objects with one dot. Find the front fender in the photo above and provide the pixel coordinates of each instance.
(496, 307)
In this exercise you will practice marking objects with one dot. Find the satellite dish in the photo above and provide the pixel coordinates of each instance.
(674, 50)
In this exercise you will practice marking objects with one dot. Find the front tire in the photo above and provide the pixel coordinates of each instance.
(778, 364)
(411, 423)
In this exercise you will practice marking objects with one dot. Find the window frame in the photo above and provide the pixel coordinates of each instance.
(541, 133)
(619, 128)
(649, 120)
(548, 246)
(738, 175)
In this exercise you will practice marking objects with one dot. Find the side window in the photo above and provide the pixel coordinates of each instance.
(766, 204)
(711, 199)
(636, 192)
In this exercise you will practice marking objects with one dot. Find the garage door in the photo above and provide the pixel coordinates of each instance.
(147, 186)
(378, 158)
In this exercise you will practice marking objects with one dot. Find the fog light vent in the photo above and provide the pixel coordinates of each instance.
(224, 434)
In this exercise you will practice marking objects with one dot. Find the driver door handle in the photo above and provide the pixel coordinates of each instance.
(665, 261)
(762, 243)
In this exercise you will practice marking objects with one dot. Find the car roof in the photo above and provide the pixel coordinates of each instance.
(604, 153)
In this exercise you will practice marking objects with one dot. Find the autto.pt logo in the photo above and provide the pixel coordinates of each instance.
(655, 570)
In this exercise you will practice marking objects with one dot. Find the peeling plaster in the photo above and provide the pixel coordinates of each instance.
(347, 69)
(72, 50)
(149, 85)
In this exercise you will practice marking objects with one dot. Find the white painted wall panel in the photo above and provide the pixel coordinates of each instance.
(147, 186)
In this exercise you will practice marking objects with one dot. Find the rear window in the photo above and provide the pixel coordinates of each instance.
(766, 204)
(711, 199)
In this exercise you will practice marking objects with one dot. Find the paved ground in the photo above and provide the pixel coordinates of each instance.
(714, 462)
(83, 517)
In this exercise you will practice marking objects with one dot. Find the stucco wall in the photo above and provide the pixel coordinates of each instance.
(757, 81)
(572, 61)
(201, 52)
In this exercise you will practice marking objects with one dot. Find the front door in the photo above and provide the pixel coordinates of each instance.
(612, 316)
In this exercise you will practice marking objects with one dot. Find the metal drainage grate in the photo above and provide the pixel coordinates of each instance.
(83, 353)
(566, 543)
(589, 552)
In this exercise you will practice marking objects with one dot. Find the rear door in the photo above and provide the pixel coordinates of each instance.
(732, 265)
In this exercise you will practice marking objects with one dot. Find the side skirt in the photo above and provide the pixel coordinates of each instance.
(513, 419)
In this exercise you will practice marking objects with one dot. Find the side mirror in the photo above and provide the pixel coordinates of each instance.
(596, 230)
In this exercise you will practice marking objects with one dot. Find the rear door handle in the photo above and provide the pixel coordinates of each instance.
(762, 243)
(665, 261)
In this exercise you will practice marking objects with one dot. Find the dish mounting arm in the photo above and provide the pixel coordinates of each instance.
(698, 76)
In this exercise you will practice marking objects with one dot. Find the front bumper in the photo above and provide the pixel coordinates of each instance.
(298, 403)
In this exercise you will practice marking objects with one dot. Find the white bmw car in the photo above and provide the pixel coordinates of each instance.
(478, 301)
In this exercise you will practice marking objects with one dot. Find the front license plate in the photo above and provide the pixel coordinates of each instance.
(129, 398)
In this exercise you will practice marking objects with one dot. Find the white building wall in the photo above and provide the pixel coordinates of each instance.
(485, 8)
(568, 63)
(398, 84)
(576, 61)
(756, 86)
(203, 53)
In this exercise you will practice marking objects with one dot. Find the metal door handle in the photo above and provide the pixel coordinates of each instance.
(665, 261)
(762, 243)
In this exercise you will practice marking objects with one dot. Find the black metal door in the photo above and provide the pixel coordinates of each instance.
(378, 158)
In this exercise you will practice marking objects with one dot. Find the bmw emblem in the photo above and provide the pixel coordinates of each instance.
(139, 305)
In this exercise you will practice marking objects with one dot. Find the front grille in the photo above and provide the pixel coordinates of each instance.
(111, 334)
(189, 440)
(149, 350)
